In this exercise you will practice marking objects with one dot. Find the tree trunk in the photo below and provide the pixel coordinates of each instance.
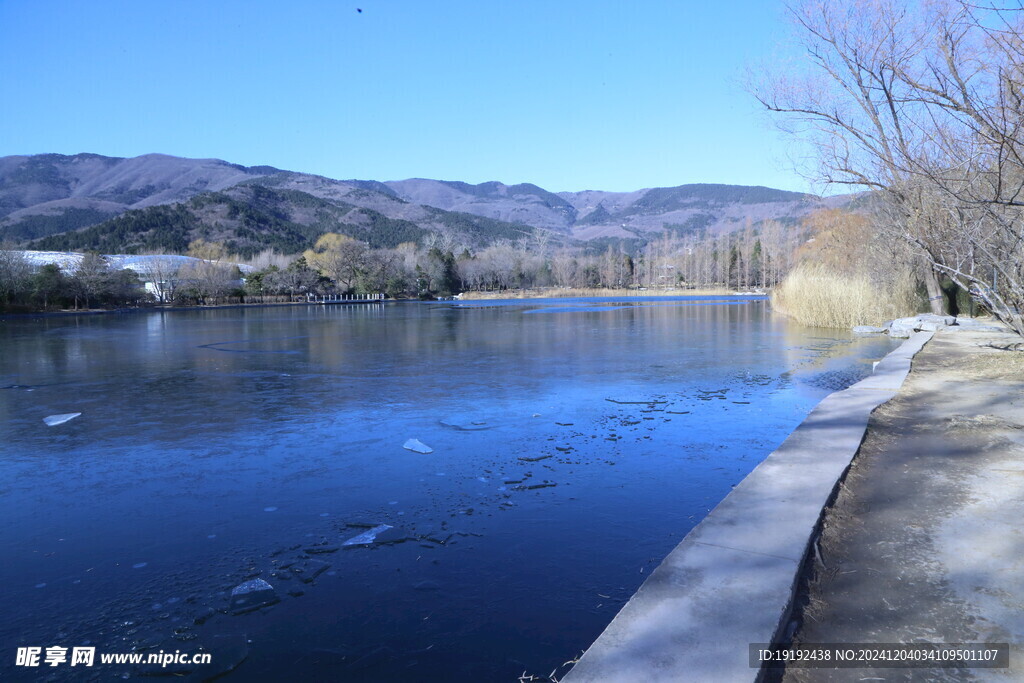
(936, 297)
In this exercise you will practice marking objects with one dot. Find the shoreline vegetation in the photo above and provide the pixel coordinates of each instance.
(817, 296)
(848, 274)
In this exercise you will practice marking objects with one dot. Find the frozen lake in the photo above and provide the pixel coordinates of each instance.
(574, 443)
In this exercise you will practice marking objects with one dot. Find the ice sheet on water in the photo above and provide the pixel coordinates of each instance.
(54, 420)
(417, 446)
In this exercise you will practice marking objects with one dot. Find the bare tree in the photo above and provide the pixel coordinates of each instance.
(162, 274)
(922, 102)
(563, 267)
(90, 277)
(15, 274)
(208, 251)
(206, 280)
(339, 257)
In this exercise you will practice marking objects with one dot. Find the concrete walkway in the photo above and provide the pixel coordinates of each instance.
(925, 541)
(731, 581)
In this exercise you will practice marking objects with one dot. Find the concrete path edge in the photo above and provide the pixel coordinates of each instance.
(731, 581)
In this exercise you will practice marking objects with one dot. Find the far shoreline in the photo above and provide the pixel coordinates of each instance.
(596, 292)
(510, 294)
(164, 309)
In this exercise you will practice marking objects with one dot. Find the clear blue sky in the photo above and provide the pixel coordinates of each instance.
(567, 94)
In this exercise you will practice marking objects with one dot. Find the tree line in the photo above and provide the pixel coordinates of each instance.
(442, 266)
(93, 284)
(755, 257)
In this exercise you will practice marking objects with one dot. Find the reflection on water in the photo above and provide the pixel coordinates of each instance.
(574, 443)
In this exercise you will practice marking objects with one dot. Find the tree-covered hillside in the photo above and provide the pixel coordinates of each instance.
(252, 217)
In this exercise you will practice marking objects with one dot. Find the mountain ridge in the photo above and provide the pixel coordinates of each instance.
(47, 200)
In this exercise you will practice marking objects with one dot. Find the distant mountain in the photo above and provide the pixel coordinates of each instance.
(49, 193)
(523, 203)
(252, 216)
(593, 214)
(155, 201)
(688, 208)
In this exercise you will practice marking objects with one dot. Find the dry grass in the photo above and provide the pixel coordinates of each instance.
(564, 292)
(1005, 364)
(817, 296)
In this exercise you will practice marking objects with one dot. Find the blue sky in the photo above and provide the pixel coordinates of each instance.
(568, 95)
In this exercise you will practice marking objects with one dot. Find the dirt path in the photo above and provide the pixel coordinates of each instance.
(925, 541)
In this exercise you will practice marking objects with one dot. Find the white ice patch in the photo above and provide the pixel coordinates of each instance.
(251, 586)
(417, 446)
(54, 420)
(367, 537)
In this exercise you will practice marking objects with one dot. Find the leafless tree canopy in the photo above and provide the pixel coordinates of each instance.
(924, 103)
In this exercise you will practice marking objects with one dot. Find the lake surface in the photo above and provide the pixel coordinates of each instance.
(575, 442)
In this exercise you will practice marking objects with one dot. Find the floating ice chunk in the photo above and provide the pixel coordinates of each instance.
(311, 569)
(464, 424)
(417, 446)
(321, 549)
(251, 586)
(139, 565)
(368, 537)
(252, 595)
(54, 420)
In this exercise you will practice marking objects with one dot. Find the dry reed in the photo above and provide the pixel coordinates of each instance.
(819, 297)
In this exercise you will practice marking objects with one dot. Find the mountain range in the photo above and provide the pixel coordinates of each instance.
(157, 202)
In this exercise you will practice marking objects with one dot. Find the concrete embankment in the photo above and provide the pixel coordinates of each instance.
(925, 540)
(732, 580)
